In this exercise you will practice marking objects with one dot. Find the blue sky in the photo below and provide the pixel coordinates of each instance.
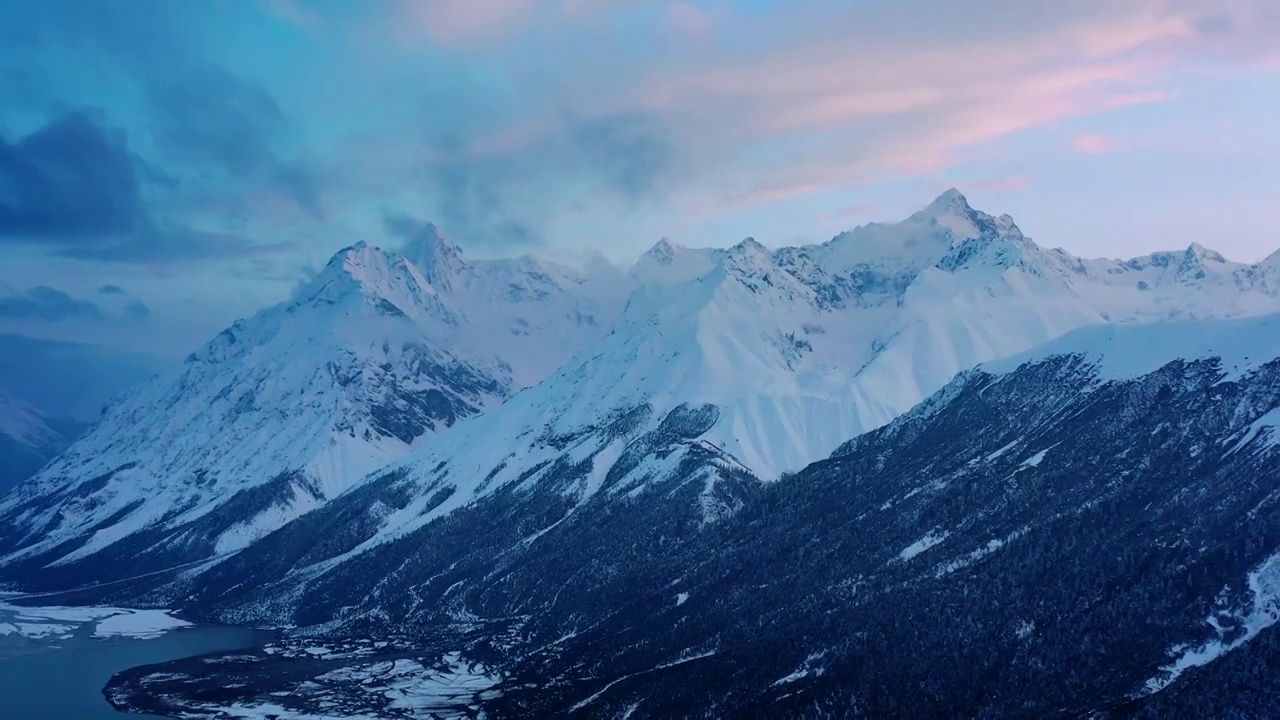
(202, 157)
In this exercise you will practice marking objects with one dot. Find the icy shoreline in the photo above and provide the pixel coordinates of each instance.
(58, 622)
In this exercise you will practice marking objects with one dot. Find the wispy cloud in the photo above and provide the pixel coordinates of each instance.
(782, 105)
(1012, 183)
(1093, 144)
(858, 211)
(462, 22)
(75, 190)
(49, 304)
(46, 303)
(685, 17)
(509, 120)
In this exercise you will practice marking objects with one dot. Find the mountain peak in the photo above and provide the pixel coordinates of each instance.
(1195, 261)
(1272, 260)
(1204, 254)
(663, 252)
(748, 254)
(598, 266)
(346, 272)
(668, 262)
(952, 211)
(749, 245)
(949, 202)
(438, 259)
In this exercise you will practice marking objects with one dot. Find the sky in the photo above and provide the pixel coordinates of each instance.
(167, 167)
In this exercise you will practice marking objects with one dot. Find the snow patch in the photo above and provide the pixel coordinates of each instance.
(108, 622)
(139, 624)
(1262, 613)
(806, 669)
(919, 546)
(1269, 423)
(1035, 460)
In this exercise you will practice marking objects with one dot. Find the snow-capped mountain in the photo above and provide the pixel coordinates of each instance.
(28, 439)
(1081, 529)
(285, 410)
(757, 366)
(803, 347)
(726, 368)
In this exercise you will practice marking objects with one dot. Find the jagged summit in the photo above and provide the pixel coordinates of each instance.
(1203, 254)
(797, 350)
(950, 201)
(438, 259)
(667, 262)
(663, 251)
(385, 281)
(284, 410)
(952, 211)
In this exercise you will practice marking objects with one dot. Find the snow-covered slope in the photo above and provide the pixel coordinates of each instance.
(1123, 352)
(285, 410)
(531, 313)
(1102, 509)
(753, 362)
(778, 358)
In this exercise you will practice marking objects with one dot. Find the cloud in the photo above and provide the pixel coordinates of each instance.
(296, 13)
(50, 304)
(687, 18)
(596, 108)
(46, 303)
(1093, 144)
(859, 210)
(205, 155)
(210, 117)
(516, 122)
(460, 22)
(136, 310)
(507, 194)
(69, 379)
(1013, 183)
(72, 187)
(71, 181)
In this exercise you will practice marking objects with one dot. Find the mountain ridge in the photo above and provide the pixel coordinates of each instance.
(793, 351)
(1045, 535)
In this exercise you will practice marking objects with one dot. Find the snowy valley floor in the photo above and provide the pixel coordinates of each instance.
(310, 678)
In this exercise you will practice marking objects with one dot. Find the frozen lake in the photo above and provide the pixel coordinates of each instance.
(54, 661)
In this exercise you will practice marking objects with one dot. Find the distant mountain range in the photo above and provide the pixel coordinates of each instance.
(28, 440)
(924, 467)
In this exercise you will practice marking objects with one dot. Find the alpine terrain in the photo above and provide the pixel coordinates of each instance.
(927, 467)
(282, 412)
(1090, 528)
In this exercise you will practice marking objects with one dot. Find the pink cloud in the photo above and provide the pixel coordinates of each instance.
(765, 107)
(1093, 144)
(1013, 183)
(294, 12)
(686, 18)
(462, 22)
(858, 211)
